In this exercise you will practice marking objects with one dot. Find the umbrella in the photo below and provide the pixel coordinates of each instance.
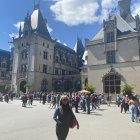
(84, 91)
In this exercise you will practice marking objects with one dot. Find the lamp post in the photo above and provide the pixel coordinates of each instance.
(62, 88)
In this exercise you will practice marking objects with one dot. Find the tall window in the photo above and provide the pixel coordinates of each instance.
(63, 72)
(110, 57)
(3, 74)
(24, 68)
(57, 59)
(45, 55)
(24, 55)
(110, 37)
(44, 68)
(56, 71)
(44, 84)
(112, 84)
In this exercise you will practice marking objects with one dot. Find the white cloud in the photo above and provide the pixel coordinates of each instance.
(17, 25)
(136, 9)
(15, 35)
(49, 28)
(58, 41)
(104, 15)
(108, 4)
(75, 12)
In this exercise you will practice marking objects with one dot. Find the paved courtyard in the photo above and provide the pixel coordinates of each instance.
(36, 123)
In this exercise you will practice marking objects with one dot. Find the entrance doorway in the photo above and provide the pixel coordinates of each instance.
(22, 86)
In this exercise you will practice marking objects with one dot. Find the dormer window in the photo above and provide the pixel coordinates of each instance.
(110, 37)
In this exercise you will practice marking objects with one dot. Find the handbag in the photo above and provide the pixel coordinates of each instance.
(73, 123)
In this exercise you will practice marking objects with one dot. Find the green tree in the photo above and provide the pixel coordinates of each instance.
(5, 87)
(27, 86)
(90, 88)
(127, 89)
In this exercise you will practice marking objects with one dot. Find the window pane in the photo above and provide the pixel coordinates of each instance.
(106, 89)
(117, 82)
(112, 82)
(117, 77)
(107, 78)
(118, 89)
(112, 89)
(111, 77)
(106, 82)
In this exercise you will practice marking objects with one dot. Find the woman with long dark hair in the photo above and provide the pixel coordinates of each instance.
(64, 117)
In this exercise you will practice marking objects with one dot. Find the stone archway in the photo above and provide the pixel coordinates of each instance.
(22, 86)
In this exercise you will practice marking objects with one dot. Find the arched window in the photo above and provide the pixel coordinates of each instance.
(112, 84)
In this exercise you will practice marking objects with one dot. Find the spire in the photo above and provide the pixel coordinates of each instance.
(20, 32)
(27, 25)
(79, 49)
(36, 6)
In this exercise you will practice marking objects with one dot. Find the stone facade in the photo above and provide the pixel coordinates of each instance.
(5, 68)
(114, 53)
(40, 61)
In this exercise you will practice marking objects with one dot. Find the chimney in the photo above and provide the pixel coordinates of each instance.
(125, 8)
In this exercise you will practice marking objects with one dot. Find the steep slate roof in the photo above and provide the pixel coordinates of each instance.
(122, 27)
(35, 24)
(79, 48)
(38, 23)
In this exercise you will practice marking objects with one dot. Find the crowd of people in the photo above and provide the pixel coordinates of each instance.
(80, 101)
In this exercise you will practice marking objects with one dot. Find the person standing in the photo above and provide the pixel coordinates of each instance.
(88, 100)
(133, 106)
(77, 99)
(63, 116)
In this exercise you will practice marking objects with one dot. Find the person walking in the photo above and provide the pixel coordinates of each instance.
(133, 106)
(63, 116)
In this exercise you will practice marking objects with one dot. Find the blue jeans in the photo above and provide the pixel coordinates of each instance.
(133, 112)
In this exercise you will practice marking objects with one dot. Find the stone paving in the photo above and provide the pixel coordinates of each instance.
(36, 123)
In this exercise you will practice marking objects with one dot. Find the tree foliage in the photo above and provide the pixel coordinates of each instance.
(90, 88)
(5, 87)
(127, 89)
(28, 85)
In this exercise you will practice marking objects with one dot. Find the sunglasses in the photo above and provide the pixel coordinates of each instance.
(65, 100)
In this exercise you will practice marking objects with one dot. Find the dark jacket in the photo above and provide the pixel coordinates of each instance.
(64, 119)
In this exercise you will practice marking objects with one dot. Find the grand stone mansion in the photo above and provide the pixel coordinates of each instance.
(44, 63)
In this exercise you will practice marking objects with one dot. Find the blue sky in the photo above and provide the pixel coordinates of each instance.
(67, 19)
